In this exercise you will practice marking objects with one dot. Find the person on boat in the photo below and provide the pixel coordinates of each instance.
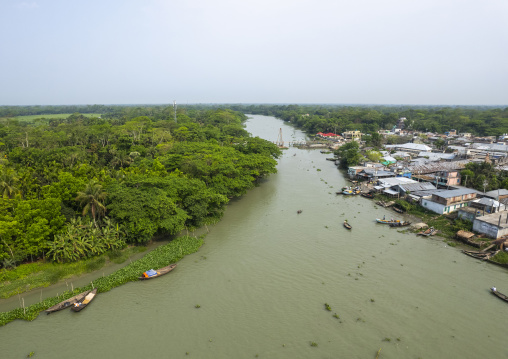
(493, 289)
(384, 217)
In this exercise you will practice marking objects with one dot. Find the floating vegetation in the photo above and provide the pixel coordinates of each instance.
(197, 306)
(336, 316)
(159, 257)
(327, 307)
(372, 300)
(31, 354)
(360, 320)
(387, 339)
(313, 344)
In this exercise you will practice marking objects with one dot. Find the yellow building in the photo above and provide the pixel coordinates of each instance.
(352, 135)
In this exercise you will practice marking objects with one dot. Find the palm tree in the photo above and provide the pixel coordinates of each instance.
(91, 198)
(8, 181)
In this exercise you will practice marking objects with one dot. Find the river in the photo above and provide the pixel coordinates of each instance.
(265, 272)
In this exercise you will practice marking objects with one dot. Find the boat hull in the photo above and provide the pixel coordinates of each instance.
(161, 272)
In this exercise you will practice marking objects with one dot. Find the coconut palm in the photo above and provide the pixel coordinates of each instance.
(8, 180)
(92, 199)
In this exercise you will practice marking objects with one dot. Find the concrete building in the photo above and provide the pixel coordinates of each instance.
(447, 201)
(413, 148)
(352, 135)
(493, 225)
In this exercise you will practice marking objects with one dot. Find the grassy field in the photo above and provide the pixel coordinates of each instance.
(31, 118)
(40, 274)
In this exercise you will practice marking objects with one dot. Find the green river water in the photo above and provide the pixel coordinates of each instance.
(264, 274)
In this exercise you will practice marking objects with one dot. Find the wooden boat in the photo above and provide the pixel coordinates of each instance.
(386, 221)
(479, 255)
(367, 195)
(398, 210)
(400, 224)
(67, 303)
(347, 225)
(79, 306)
(427, 232)
(160, 272)
(494, 291)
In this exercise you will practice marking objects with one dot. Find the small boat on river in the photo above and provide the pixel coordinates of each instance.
(79, 306)
(398, 210)
(494, 291)
(367, 195)
(386, 221)
(400, 224)
(428, 232)
(149, 274)
(67, 303)
(347, 225)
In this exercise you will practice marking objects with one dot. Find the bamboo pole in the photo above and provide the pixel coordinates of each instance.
(377, 355)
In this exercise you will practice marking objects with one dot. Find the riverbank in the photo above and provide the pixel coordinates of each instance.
(159, 257)
(37, 275)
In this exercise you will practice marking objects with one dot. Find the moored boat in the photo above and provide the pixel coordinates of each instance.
(367, 195)
(398, 210)
(386, 221)
(347, 225)
(79, 306)
(149, 274)
(400, 224)
(494, 291)
(67, 303)
(428, 232)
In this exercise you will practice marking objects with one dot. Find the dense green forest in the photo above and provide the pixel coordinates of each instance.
(79, 186)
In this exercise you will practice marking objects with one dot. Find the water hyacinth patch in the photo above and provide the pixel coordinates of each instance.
(159, 257)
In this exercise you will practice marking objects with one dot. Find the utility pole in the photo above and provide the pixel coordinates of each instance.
(174, 108)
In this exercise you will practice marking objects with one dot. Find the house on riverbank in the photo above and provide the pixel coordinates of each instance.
(492, 225)
(447, 201)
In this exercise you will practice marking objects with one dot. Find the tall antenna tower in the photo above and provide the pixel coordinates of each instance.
(174, 108)
(280, 141)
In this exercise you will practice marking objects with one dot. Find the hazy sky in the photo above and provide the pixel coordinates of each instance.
(254, 51)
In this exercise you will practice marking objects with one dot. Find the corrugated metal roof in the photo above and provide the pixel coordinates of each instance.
(454, 192)
(411, 146)
(418, 186)
(495, 193)
(487, 202)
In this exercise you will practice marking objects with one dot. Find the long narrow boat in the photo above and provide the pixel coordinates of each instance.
(347, 225)
(67, 303)
(386, 221)
(400, 224)
(398, 210)
(367, 195)
(428, 232)
(159, 272)
(494, 291)
(79, 306)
